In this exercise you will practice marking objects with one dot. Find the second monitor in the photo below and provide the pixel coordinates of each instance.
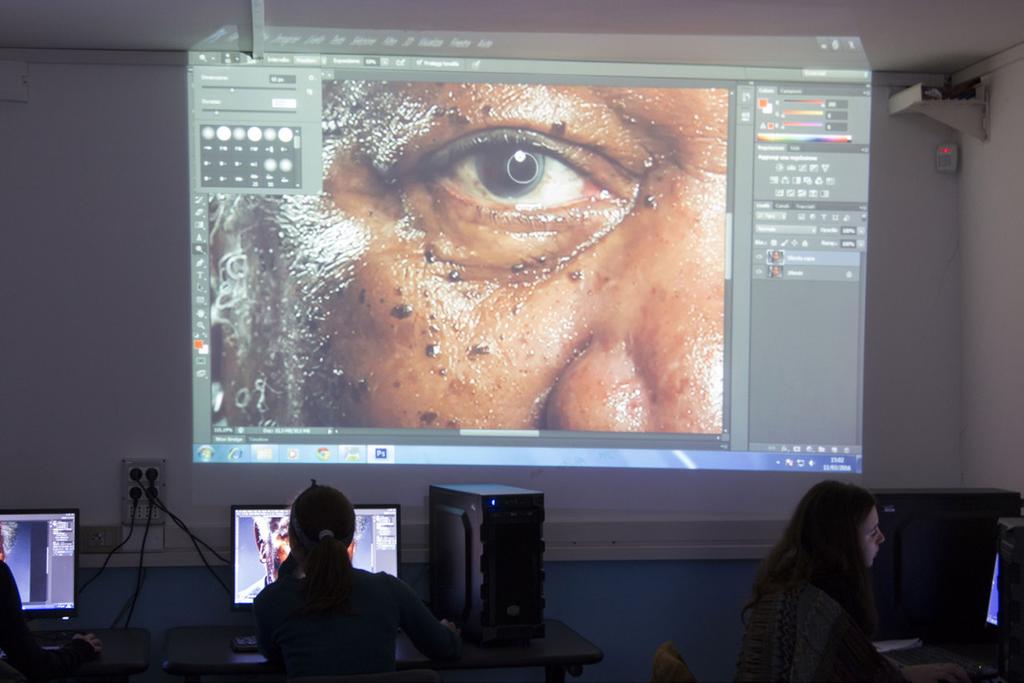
(260, 544)
(40, 548)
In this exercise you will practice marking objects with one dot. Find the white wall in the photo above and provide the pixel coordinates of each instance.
(94, 324)
(992, 234)
(912, 347)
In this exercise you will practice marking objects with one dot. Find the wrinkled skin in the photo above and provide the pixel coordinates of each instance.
(418, 292)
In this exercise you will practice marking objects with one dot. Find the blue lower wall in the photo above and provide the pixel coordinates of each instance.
(626, 608)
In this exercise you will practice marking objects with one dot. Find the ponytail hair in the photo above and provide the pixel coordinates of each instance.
(323, 522)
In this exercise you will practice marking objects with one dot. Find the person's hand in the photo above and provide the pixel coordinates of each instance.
(96, 643)
(452, 627)
(931, 673)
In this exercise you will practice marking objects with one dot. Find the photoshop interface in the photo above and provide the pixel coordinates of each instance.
(795, 218)
(39, 548)
(377, 540)
(262, 543)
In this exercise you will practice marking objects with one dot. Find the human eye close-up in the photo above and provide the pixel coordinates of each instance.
(504, 196)
(521, 170)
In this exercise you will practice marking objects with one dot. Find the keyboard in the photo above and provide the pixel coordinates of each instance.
(932, 654)
(244, 643)
(53, 640)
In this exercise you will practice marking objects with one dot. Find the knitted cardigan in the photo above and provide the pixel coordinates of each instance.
(802, 634)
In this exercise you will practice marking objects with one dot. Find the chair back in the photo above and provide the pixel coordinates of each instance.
(668, 666)
(9, 673)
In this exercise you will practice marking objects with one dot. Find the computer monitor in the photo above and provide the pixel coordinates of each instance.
(992, 616)
(41, 549)
(932, 576)
(260, 544)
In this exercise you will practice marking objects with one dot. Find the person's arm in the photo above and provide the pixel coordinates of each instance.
(23, 653)
(262, 610)
(433, 638)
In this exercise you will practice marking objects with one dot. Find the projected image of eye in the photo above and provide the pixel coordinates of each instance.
(512, 169)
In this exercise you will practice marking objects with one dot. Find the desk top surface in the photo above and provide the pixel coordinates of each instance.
(125, 652)
(196, 650)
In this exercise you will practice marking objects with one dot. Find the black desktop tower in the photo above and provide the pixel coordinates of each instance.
(933, 574)
(487, 560)
(1011, 596)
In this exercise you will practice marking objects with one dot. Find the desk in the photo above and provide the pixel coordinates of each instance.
(197, 651)
(125, 652)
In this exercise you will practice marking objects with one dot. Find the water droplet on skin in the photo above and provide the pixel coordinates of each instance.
(359, 390)
(651, 201)
(455, 116)
(428, 254)
(481, 349)
(518, 267)
(428, 417)
(576, 275)
(454, 276)
(401, 311)
(558, 128)
(443, 372)
(433, 350)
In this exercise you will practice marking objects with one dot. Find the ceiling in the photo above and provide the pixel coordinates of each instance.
(928, 36)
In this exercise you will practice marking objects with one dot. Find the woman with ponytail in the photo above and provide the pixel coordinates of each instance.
(324, 617)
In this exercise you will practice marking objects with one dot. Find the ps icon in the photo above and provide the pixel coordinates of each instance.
(381, 455)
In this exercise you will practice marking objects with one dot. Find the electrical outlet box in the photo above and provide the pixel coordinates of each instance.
(100, 539)
(147, 478)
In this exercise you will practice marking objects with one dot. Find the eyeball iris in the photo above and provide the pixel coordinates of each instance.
(509, 170)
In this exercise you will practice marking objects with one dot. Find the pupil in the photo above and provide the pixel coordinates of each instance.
(509, 171)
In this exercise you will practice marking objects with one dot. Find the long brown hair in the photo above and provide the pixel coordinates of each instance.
(323, 523)
(821, 543)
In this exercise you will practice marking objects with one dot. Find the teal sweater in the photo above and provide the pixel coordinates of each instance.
(362, 641)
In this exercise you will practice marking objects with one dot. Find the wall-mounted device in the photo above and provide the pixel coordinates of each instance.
(947, 157)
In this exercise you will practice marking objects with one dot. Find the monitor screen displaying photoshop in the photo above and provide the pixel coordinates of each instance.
(260, 544)
(40, 547)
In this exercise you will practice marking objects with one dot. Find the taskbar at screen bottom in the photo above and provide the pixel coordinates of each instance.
(384, 454)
